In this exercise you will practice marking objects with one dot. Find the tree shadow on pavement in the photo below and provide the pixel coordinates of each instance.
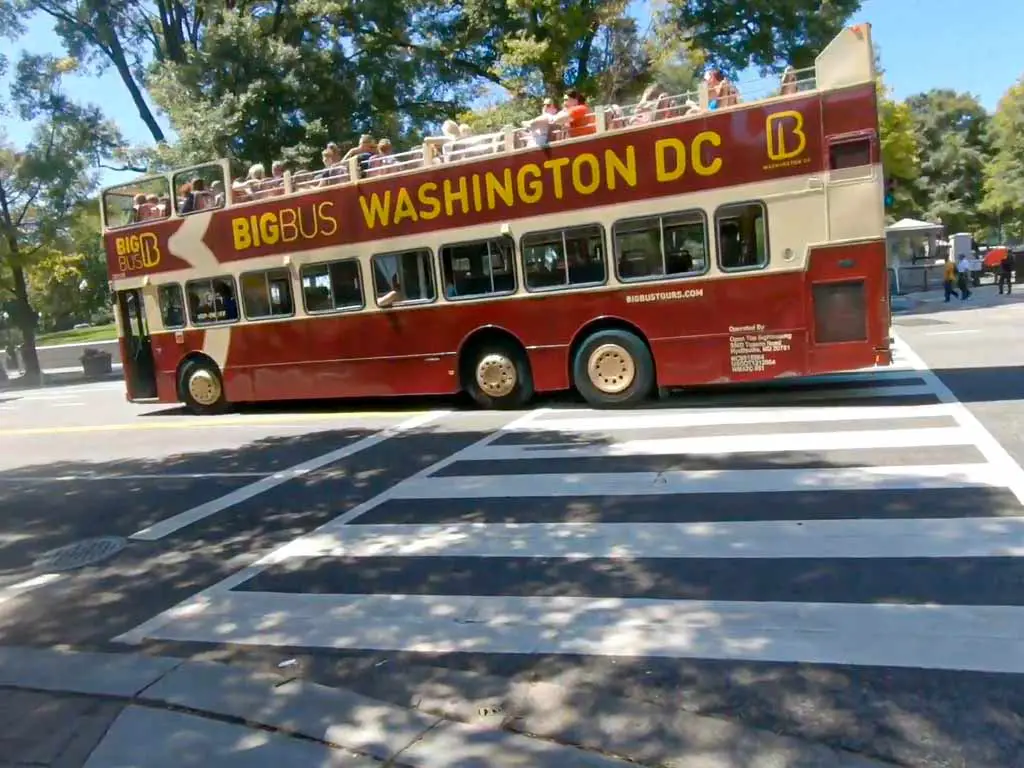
(910, 716)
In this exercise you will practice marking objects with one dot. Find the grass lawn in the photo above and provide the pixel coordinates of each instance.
(79, 336)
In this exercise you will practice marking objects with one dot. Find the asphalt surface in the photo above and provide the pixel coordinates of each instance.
(785, 556)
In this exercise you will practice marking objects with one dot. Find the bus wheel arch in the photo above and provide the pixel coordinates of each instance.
(201, 384)
(611, 363)
(494, 369)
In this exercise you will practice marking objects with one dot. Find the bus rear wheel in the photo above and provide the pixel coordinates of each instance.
(202, 388)
(499, 376)
(613, 368)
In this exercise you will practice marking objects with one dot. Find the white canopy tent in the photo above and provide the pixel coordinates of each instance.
(912, 244)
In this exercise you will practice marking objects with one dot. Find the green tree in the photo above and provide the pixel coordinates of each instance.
(125, 35)
(43, 183)
(1004, 173)
(271, 79)
(674, 63)
(67, 281)
(951, 130)
(768, 34)
(900, 158)
(494, 117)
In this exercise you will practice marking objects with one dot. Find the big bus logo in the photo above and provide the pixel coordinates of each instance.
(136, 252)
(786, 139)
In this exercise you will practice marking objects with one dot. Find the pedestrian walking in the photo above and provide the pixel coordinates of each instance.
(963, 275)
(949, 280)
(1006, 274)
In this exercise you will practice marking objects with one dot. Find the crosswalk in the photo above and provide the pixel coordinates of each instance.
(861, 519)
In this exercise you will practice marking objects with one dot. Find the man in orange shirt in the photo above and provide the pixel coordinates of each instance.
(576, 115)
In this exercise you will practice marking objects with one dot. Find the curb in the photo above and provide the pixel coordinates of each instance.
(58, 380)
(417, 717)
(351, 726)
(643, 732)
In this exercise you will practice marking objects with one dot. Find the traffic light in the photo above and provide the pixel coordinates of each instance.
(890, 192)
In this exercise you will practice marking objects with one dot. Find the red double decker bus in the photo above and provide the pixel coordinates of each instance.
(669, 246)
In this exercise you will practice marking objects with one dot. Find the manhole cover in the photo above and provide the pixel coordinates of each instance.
(81, 553)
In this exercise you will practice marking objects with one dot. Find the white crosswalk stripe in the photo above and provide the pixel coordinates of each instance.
(575, 531)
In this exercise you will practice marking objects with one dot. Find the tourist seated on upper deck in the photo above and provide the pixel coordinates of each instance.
(255, 180)
(721, 93)
(789, 83)
(365, 150)
(539, 130)
(217, 191)
(135, 214)
(439, 147)
(335, 171)
(195, 197)
(383, 161)
(650, 106)
(275, 184)
(240, 191)
(152, 209)
(575, 115)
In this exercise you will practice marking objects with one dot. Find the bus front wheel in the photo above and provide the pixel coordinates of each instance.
(202, 388)
(499, 376)
(613, 368)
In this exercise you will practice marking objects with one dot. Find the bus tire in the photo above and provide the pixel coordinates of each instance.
(613, 368)
(202, 388)
(498, 376)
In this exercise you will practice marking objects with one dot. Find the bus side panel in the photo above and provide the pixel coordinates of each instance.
(751, 327)
(847, 305)
(345, 355)
(741, 328)
(550, 368)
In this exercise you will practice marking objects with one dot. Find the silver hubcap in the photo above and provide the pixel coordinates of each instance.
(204, 386)
(496, 375)
(611, 369)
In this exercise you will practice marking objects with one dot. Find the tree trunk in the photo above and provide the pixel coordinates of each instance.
(136, 93)
(25, 321)
(110, 43)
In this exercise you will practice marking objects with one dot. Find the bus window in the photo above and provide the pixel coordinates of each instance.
(212, 301)
(672, 245)
(408, 276)
(137, 202)
(481, 268)
(267, 294)
(172, 305)
(742, 237)
(561, 258)
(199, 189)
(332, 287)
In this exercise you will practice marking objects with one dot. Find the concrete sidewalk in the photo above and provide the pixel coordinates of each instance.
(74, 710)
(985, 295)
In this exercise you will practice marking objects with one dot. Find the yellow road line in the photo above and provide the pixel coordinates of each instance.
(171, 422)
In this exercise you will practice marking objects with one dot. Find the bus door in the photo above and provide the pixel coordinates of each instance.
(137, 350)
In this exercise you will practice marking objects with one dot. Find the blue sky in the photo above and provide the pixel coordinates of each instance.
(924, 44)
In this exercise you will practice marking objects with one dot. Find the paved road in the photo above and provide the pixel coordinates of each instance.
(838, 559)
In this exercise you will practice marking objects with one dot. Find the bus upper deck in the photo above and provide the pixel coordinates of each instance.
(847, 61)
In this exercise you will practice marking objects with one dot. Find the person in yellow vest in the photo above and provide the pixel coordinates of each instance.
(949, 279)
